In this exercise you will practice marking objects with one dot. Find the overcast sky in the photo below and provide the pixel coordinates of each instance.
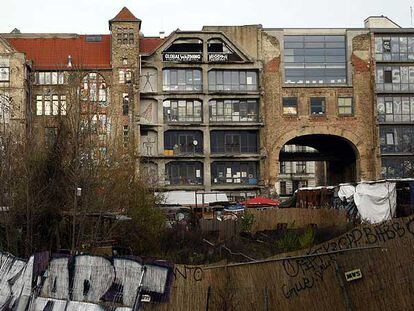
(91, 16)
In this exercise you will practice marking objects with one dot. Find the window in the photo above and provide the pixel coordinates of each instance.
(234, 173)
(394, 48)
(4, 74)
(315, 59)
(345, 106)
(397, 139)
(126, 135)
(125, 76)
(290, 105)
(184, 50)
(125, 36)
(395, 109)
(283, 167)
(218, 51)
(283, 190)
(234, 110)
(182, 80)
(184, 173)
(301, 167)
(50, 78)
(183, 142)
(232, 80)
(94, 88)
(395, 78)
(317, 106)
(397, 167)
(234, 142)
(125, 104)
(51, 105)
(4, 69)
(182, 111)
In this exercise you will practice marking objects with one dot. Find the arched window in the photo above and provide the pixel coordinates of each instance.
(94, 88)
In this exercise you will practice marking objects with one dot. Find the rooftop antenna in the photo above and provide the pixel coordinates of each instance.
(411, 13)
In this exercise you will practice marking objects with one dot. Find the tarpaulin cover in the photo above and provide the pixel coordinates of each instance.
(346, 192)
(258, 201)
(376, 202)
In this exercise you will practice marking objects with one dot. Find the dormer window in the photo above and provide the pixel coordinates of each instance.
(184, 50)
(219, 51)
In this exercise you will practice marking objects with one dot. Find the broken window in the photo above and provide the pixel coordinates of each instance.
(185, 45)
(397, 167)
(395, 109)
(175, 79)
(317, 106)
(397, 139)
(234, 172)
(290, 105)
(125, 104)
(183, 111)
(219, 51)
(183, 142)
(394, 48)
(184, 173)
(345, 106)
(232, 80)
(234, 142)
(315, 59)
(234, 110)
(94, 88)
(395, 78)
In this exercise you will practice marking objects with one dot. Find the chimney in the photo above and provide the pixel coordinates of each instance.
(162, 34)
(69, 61)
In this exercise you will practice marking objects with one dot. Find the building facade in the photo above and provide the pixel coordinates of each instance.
(213, 110)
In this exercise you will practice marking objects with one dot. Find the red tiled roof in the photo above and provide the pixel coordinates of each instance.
(149, 45)
(124, 15)
(52, 53)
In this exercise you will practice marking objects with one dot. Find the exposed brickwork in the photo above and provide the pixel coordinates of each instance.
(358, 129)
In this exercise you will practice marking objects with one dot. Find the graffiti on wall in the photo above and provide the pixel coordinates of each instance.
(82, 282)
(304, 273)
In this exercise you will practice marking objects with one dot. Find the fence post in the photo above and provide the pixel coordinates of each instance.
(266, 299)
(347, 299)
(208, 297)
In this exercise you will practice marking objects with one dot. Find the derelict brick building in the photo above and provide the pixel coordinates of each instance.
(213, 109)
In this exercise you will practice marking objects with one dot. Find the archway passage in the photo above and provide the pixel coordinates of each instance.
(335, 156)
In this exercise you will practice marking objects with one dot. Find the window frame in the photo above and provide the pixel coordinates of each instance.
(323, 105)
(174, 79)
(342, 106)
(296, 106)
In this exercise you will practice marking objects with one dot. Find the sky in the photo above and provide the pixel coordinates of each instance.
(91, 16)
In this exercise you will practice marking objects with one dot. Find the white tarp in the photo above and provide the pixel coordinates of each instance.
(188, 198)
(376, 202)
(346, 192)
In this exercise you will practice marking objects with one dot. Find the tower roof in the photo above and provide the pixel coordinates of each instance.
(124, 15)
